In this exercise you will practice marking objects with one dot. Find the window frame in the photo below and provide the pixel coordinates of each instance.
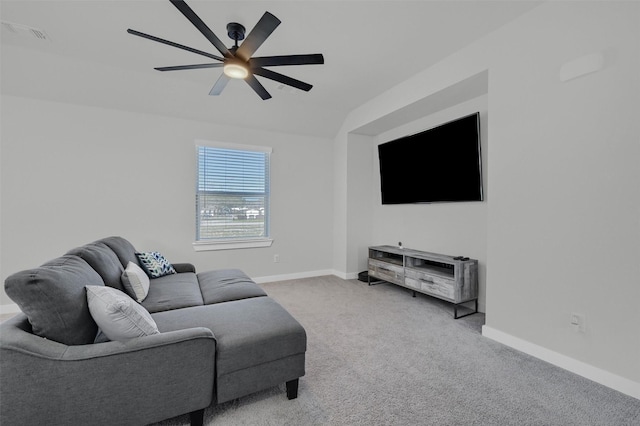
(233, 243)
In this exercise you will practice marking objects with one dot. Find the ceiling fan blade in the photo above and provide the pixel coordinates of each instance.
(202, 27)
(282, 79)
(170, 43)
(257, 87)
(271, 61)
(221, 83)
(190, 67)
(257, 36)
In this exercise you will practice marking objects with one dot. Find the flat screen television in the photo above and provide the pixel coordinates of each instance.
(442, 164)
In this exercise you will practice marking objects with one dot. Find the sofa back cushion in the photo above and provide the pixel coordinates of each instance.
(125, 251)
(54, 299)
(104, 261)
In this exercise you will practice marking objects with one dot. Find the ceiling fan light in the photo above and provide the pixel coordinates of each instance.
(235, 70)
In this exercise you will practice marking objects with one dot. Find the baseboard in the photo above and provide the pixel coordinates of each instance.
(294, 276)
(603, 377)
(10, 308)
(345, 275)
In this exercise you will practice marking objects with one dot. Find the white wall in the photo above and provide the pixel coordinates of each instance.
(564, 221)
(359, 202)
(563, 211)
(73, 174)
(340, 204)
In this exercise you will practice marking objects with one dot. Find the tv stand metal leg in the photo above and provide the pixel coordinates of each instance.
(374, 282)
(474, 311)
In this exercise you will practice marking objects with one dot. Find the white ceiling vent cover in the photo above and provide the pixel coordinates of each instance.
(25, 31)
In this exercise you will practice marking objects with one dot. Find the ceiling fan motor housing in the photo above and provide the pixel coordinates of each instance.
(235, 31)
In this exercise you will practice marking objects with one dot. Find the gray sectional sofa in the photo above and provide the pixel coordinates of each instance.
(220, 337)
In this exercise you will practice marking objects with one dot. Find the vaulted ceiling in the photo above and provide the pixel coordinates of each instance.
(89, 59)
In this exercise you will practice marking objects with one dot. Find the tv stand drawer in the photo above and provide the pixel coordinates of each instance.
(436, 287)
(386, 271)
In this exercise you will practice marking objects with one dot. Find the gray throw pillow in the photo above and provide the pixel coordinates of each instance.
(118, 315)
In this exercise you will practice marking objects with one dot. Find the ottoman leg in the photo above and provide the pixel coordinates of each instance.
(197, 417)
(292, 389)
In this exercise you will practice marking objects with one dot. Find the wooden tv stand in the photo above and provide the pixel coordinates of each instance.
(437, 275)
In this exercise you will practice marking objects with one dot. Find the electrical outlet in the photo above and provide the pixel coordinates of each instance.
(578, 322)
(276, 258)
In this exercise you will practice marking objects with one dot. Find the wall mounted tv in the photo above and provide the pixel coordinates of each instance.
(442, 164)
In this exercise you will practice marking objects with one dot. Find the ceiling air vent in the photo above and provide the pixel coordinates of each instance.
(24, 31)
(288, 89)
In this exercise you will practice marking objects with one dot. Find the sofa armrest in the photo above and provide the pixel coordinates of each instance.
(140, 381)
(184, 267)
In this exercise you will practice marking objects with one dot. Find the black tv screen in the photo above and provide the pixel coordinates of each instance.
(442, 164)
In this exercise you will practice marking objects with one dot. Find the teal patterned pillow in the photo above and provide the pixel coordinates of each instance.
(154, 264)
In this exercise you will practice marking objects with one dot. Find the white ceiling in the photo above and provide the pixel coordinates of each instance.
(368, 46)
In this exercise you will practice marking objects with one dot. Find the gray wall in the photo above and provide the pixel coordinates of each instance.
(73, 174)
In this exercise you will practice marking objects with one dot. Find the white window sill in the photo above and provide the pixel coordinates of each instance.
(232, 244)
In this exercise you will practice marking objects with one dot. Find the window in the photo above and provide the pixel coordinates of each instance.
(232, 196)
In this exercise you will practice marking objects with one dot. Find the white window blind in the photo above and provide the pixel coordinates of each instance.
(232, 194)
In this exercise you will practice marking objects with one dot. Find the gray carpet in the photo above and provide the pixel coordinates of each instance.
(377, 356)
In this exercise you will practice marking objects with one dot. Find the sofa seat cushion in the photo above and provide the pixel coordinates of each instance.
(54, 299)
(224, 285)
(173, 291)
(248, 332)
(104, 261)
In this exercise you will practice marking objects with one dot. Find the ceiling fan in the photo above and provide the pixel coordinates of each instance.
(237, 61)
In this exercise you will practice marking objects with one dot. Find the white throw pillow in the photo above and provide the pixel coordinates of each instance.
(119, 316)
(135, 281)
